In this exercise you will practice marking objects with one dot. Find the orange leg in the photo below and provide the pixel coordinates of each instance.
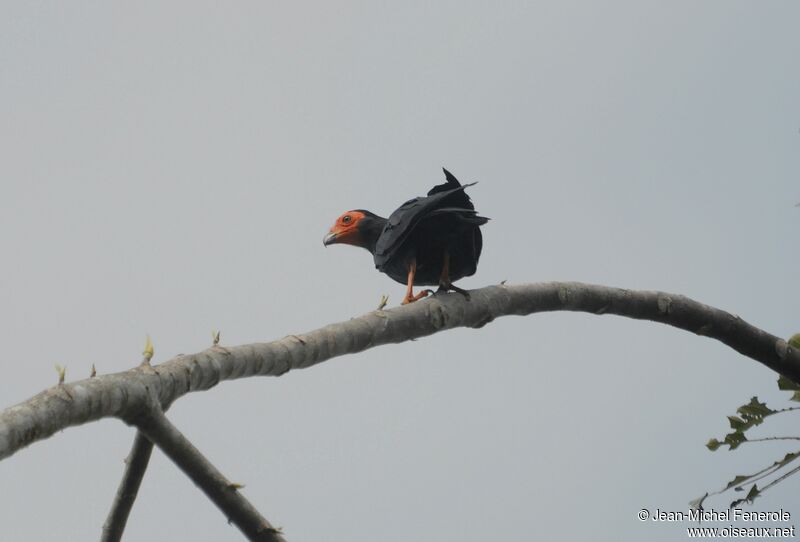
(410, 297)
(444, 279)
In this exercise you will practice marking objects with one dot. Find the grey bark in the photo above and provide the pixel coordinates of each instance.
(226, 495)
(128, 394)
(135, 467)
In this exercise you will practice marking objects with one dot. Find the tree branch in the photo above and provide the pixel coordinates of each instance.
(158, 429)
(135, 467)
(127, 394)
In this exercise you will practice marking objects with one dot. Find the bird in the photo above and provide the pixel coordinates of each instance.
(427, 241)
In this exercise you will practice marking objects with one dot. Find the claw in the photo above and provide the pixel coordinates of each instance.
(411, 298)
(444, 288)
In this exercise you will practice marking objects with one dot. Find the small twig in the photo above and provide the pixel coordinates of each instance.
(787, 409)
(62, 371)
(136, 465)
(219, 489)
(780, 479)
(765, 439)
(384, 300)
(148, 352)
(215, 342)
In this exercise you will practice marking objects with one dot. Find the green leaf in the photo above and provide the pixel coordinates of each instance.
(739, 480)
(737, 424)
(788, 458)
(713, 444)
(742, 478)
(755, 409)
(787, 385)
(733, 440)
(751, 496)
(750, 415)
(794, 340)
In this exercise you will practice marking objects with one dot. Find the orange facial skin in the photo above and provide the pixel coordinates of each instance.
(345, 230)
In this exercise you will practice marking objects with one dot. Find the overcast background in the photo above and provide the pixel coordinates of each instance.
(171, 168)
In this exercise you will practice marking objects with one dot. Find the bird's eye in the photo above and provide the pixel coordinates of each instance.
(346, 219)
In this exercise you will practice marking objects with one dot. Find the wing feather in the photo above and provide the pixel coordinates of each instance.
(403, 221)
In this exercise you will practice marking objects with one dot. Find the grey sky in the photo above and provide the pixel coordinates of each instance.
(171, 168)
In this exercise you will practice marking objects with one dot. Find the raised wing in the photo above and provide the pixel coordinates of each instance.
(461, 200)
(447, 198)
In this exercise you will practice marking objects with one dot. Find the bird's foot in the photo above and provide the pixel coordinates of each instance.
(411, 298)
(447, 287)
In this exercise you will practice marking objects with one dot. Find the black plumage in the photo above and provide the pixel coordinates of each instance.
(430, 240)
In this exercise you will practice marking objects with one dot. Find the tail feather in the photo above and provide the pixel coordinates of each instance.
(470, 216)
(450, 183)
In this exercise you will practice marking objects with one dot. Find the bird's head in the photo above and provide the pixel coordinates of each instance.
(358, 227)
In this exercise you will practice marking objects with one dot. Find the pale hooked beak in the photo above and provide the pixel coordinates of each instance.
(329, 239)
